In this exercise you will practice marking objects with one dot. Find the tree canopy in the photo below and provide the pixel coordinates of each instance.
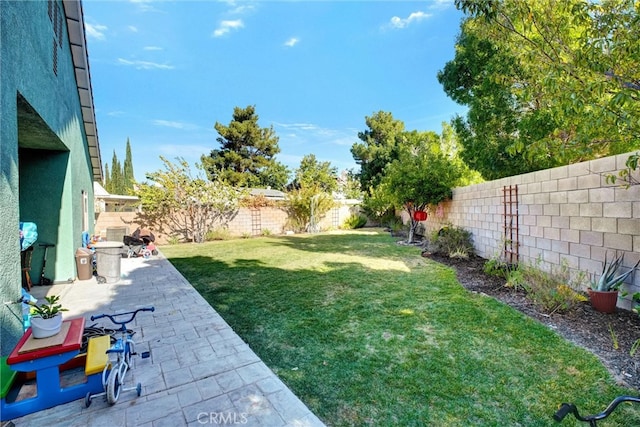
(547, 83)
(127, 169)
(184, 205)
(246, 157)
(377, 149)
(121, 179)
(315, 174)
(423, 174)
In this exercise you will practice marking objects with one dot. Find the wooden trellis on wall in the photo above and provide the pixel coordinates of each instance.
(335, 217)
(511, 224)
(256, 223)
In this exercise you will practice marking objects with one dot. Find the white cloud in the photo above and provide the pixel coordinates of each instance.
(311, 132)
(153, 48)
(175, 125)
(245, 8)
(399, 23)
(292, 42)
(145, 65)
(345, 140)
(226, 26)
(95, 31)
(144, 5)
(297, 126)
(133, 28)
(441, 4)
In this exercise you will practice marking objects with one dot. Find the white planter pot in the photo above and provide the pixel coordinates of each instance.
(44, 328)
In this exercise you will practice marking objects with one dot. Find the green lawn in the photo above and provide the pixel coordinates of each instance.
(367, 332)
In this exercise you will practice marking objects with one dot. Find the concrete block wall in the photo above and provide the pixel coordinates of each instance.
(567, 213)
(106, 220)
(275, 220)
(268, 220)
(272, 219)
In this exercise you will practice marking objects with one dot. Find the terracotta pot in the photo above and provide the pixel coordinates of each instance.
(44, 328)
(604, 301)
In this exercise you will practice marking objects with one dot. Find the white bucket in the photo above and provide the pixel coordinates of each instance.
(44, 328)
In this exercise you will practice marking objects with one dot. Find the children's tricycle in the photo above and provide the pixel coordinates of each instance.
(114, 373)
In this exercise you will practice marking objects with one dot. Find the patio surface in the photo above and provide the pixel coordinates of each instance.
(199, 372)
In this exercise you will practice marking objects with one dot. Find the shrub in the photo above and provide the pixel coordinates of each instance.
(496, 267)
(354, 221)
(395, 226)
(452, 240)
(306, 207)
(516, 280)
(460, 253)
(553, 290)
(219, 233)
(257, 201)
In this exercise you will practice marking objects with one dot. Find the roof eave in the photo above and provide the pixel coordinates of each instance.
(78, 44)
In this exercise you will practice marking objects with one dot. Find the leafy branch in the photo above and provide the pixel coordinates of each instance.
(627, 175)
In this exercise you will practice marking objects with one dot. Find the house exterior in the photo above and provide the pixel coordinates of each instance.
(49, 151)
(106, 202)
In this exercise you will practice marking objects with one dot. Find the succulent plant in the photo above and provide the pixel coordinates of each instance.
(609, 281)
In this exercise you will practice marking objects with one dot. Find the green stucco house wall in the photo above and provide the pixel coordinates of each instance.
(49, 153)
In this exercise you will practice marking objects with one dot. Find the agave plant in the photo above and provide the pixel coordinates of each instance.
(608, 280)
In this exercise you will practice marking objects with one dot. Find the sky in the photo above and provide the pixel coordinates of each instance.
(164, 72)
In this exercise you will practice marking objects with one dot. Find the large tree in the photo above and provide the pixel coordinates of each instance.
(127, 173)
(246, 157)
(115, 184)
(121, 179)
(186, 205)
(377, 149)
(309, 196)
(547, 83)
(313, 173)
(422, 175)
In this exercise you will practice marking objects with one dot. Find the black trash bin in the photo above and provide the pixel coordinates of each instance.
(84, 264)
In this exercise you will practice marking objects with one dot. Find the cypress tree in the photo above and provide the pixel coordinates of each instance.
(107, 178)
(129, 179)
(116, 175)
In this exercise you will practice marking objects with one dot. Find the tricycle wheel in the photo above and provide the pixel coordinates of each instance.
(113, 386)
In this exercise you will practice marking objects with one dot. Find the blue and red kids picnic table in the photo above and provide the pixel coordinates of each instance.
(45, 358)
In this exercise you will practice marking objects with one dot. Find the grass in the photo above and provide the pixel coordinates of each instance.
(366, 332)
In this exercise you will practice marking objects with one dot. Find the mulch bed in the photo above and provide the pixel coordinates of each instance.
(583, 326)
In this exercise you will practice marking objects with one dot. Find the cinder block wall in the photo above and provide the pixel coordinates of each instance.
(247, 222)
(106, 220)
(566, 213)
(255, 222)
(274, 220)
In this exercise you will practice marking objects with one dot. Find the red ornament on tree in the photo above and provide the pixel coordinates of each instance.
(420, 215)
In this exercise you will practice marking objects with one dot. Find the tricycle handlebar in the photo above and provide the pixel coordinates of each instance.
(122, 323)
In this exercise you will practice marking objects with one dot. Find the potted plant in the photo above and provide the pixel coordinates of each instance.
(46, 319)
(604, 293)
